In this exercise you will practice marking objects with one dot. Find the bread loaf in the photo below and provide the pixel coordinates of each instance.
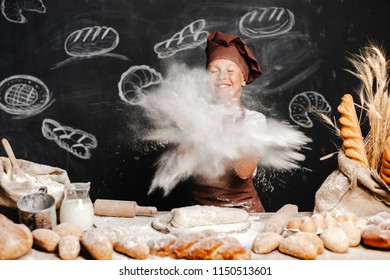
(69, 247)
(298, 246)
(46, 239)
(385, 167)
(97, 244)
(65, 229)
(185, 241)
(15, 239)
(204, 249)
(266, 242)
(161, 247)
(350, 131)
(132, 247)
(232, 252)
(314, 239)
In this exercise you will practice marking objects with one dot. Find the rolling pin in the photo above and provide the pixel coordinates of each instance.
(121, 208)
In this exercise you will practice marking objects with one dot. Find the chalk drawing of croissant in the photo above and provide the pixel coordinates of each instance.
(135, 80)
(307, 102)
(189, 37)
(75, 141)
(12, 9)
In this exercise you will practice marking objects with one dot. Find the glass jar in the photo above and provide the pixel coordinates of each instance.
(76, 207)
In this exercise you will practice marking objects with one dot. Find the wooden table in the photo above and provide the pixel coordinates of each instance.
(141, 226)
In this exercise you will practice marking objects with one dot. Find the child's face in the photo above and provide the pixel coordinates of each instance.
(226, 79)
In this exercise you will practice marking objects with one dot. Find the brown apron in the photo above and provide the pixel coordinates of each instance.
(227, 191)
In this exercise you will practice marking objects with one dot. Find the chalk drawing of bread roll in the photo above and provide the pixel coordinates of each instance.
(91, 41)
(135, 80)
(307, 102)
(12, 9)
(266, 22)
(23, 95)
(385, 167)
(350, 131)
(75, 141)
(189, 37)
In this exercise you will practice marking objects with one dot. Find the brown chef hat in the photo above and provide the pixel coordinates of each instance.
(225, 46)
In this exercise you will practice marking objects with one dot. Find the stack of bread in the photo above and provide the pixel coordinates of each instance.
(202, 245)
(306, 237)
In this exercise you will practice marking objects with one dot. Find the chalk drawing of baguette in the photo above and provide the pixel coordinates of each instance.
(189, 37)
(75, 141)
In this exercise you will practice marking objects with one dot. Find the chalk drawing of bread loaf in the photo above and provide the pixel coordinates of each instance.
(350, 131)
(75, 141)
(385, 167)
(91, 41)
(24, 95)
(266, 22)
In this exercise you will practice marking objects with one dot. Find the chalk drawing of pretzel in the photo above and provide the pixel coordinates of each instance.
(75, 141)
(189, 37)
(307, 102)
(266, 22)
(12, 9)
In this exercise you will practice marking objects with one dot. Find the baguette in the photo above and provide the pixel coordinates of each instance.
(350, 131)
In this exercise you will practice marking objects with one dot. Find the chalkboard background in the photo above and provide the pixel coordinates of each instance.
(304, 57)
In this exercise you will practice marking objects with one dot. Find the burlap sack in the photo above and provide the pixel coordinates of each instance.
(353, 188)
(33, 177)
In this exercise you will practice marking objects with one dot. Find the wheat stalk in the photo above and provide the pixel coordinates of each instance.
(371, 68)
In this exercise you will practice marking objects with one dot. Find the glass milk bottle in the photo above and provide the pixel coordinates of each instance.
(76, 206)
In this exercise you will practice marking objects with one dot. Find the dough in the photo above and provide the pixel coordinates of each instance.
(197, 215)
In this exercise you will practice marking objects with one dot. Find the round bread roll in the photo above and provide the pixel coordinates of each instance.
(353, 233)
(335, 240)
(375, 236)
(294, 223)
(308, 226)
